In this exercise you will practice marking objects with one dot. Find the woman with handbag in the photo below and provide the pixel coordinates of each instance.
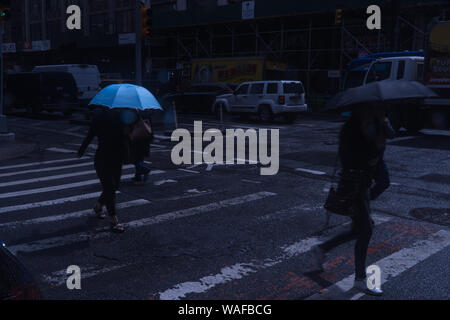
(361, 143)
(107, 127)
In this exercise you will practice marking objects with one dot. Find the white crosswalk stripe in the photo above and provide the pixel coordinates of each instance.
(78, 165)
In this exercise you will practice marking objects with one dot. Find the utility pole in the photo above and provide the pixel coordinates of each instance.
(3, 124)
(138, 42)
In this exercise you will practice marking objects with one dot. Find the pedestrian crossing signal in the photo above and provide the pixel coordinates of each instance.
(147, 21)
(338, 17)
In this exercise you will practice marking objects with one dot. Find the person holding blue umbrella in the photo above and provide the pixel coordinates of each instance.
(112, 125)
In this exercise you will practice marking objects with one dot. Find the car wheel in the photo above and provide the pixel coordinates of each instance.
(265, 114)
(290, 118)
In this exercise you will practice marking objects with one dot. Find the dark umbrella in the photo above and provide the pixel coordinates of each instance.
(380, 91)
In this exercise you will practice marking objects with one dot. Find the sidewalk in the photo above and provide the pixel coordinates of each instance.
(16, 148)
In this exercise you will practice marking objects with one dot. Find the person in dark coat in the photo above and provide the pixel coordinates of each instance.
(360, 149)
(110, 132)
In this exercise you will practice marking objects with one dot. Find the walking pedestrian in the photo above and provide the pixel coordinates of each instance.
(360, 150)
(140, 148)
(109, 157)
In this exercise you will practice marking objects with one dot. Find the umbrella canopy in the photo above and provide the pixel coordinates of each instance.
(126, 96)
(380, 91)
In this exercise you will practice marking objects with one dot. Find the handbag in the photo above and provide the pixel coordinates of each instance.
(141, 130)
(342, 200)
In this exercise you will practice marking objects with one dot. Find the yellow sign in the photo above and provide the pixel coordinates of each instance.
(228, 70)
(440, 38)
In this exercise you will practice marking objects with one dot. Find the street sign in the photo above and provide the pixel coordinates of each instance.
(127, 38)
(334, 74)
(248, 10)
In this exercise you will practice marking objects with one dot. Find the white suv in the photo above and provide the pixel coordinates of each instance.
(265, 98)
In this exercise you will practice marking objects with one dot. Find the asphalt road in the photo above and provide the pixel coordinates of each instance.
(225, 231)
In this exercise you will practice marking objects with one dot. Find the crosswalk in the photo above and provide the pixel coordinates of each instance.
(51, 195)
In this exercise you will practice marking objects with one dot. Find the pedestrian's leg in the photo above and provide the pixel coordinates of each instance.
(363, 228)
(338, 240)
(116, 172)
(98, 208)
(382, 181)
(319, 251)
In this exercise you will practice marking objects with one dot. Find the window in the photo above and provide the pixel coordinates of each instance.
(379, 71)
(125, 21)
(98, 24)
(355, 78)
(401, 69)
(257, 88)
(293, 88)
(181, 5)
(419, 72)
(242, 89)
(53, 8)
(272, 88)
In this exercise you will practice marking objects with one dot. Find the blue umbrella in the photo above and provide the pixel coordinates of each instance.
(126, 96)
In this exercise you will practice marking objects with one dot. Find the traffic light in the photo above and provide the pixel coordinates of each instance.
(5, 10)
(338, 16)
(147, 21)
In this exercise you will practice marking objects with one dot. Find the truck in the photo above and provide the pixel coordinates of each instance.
(432, 69)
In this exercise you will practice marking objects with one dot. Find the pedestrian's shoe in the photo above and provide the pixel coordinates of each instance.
(98, 210)
(117, 228)
(318, 257)
(361, 285)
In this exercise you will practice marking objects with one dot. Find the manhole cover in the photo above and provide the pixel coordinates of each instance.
(434, 215)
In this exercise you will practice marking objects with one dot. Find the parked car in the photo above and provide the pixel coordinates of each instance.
(267, 99)
(87, 78)
(199, 98)
(16, 283)
(38, 91)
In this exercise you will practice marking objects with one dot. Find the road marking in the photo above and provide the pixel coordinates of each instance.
(104, 232)
(63, 186)
(241, 270)
(61, 150)
(251, 181)
(398, 262)
(320, 173)
(50, 202)
(78, 165)
(75, 128)
(32, 164)
(55, 177)
(190, 171)
(72, 215)
(161, 182)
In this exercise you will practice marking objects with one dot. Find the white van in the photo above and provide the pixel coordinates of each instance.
(87, 78)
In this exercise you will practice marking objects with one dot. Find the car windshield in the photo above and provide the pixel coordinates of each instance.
(293, 88)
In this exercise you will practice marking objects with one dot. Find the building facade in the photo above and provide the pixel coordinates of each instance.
(303, 35)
